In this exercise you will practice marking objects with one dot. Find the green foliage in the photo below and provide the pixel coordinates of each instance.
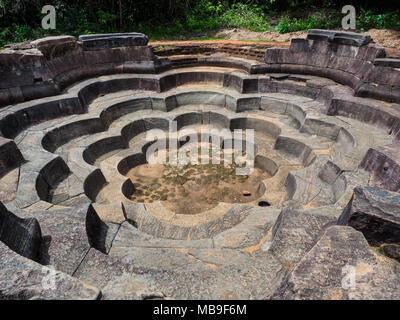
(209, 15)
(289, 25)
(245, 16)
(20, 20)
(105, 18)
(316, 21)
(204, 16)
(4, 35)
(21, 32)
(369, 20)
(380, 251)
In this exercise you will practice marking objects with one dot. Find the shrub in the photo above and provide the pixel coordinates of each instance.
(318, 20)
(368, 20)
(245, 16)
(204, 16)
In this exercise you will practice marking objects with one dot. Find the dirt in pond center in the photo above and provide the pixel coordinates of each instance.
(192, 189)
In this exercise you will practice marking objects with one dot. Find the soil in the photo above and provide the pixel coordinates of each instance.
(240, 34)
(388, 38)
(194, 188)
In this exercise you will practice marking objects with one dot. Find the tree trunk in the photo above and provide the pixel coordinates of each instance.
(120, 14)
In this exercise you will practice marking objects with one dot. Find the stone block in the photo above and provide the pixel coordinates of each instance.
(113, 40)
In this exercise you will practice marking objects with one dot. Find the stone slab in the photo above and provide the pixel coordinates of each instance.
(113, 40)
(374, 212)
(24, 279)
(341, 266)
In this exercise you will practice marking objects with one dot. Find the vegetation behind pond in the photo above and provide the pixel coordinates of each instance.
(181, 19)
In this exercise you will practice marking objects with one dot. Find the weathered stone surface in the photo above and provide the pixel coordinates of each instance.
(21, 235)
(323, 273)
(110, 212)
(25, 114)
(296, 232)
(68, 235)
(139, 273)
(9, 185)
(112, 40)
(10, 156)
(53, 63)
(344, 57)
(384, 165)
(140, 217)
(53, 47)
(387, 62)
(129, 236)
(293, 148)
(349, 38)
(310, 137)
(116, 279)
(65, 242)
(242, 277)
(250, 232)
(23, 279)
(376, 213)
(392, 251)
(100, 234)
(255, 278)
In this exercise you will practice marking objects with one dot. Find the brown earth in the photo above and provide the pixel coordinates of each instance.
(390, 39)
(192, 189)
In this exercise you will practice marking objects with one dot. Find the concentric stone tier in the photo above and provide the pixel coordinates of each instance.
(326, 130)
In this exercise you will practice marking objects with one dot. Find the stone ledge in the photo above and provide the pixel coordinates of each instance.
(387, 62)
(319, 275)
(384, 165)
(23, 236)
(348, 38)
(112, 40)
(22, 279)
(10, 156)
(376, 213)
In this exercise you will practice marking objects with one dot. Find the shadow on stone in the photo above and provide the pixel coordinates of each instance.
(376, 213)
(44, 251)
(23, 236)
(96, 230)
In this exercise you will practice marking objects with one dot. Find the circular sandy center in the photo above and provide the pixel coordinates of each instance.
(194, 188)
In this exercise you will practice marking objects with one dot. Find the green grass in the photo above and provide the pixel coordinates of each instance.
(380, 251)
